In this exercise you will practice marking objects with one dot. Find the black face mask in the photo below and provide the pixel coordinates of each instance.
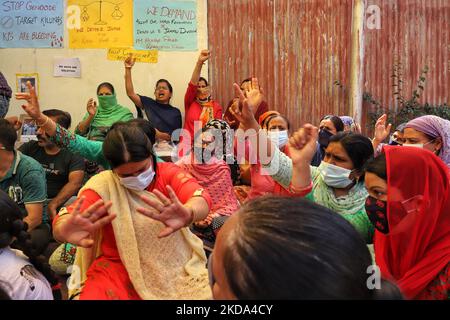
(377, 212)
(324, 138)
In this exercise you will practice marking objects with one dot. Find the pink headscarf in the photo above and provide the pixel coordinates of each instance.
(435, 127)
(215, 177)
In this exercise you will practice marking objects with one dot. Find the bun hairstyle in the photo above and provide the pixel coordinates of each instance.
(12, 226)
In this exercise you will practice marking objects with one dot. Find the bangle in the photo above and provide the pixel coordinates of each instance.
(303, 190)
(45, 122)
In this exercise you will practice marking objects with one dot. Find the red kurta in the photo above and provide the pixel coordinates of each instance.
(107, 278)
(193, 110)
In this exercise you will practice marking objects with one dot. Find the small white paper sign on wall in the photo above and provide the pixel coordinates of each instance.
(69, 68)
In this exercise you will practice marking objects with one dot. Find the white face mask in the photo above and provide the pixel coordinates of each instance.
(334, 176)
(415, 145)
(140, 182)
(279, 138)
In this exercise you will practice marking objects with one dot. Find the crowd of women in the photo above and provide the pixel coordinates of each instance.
(231, 228)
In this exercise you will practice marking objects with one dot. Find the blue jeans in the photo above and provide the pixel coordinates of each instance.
(4, 106)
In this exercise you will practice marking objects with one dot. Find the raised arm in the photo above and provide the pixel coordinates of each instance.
(91, 150)
(33, 110)
(302, 147)
(204, 55)
(191, 92)
(245, 115)
(129, 63)
(381, 131)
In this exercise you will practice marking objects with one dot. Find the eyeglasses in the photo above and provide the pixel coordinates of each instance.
(211, 278)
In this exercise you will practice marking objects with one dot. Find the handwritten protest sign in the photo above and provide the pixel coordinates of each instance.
(165, 25)
(32, 24)
(149, 56)
(68, 68)
(103, 24)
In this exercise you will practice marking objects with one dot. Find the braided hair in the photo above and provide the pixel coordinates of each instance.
(12, 226)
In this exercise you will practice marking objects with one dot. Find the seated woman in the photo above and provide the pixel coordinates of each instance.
(212, 173)
(409, 205)
(277, 128)
(198, 104)
(338, 183)
(143, 249)
(98, 120)
(163, 116)
(431, 133)
(277, 248)
(329, 126)
(23, 275)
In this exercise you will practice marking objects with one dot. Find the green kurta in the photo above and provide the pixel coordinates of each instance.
(351, 206)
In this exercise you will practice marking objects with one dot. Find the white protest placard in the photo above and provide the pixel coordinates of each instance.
(69, 68)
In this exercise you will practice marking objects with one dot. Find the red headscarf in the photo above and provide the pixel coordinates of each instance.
(417, 247)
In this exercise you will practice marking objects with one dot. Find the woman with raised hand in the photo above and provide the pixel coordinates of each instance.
(409, 206)
(163, 116)
(198, 103)
(88, 149)
(99, 119)
(277, 128)
(338, 183)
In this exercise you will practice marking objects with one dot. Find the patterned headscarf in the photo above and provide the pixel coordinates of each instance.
(348, 121)
(435, 127)
(227, 135)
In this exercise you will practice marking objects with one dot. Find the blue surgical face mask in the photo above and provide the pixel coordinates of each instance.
(140, 182)
(334, 176)
(279, 138)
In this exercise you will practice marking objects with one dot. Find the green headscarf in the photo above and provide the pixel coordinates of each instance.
(108, 113)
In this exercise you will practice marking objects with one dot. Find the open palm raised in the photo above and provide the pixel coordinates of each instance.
(32, 106)
(80, 226)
